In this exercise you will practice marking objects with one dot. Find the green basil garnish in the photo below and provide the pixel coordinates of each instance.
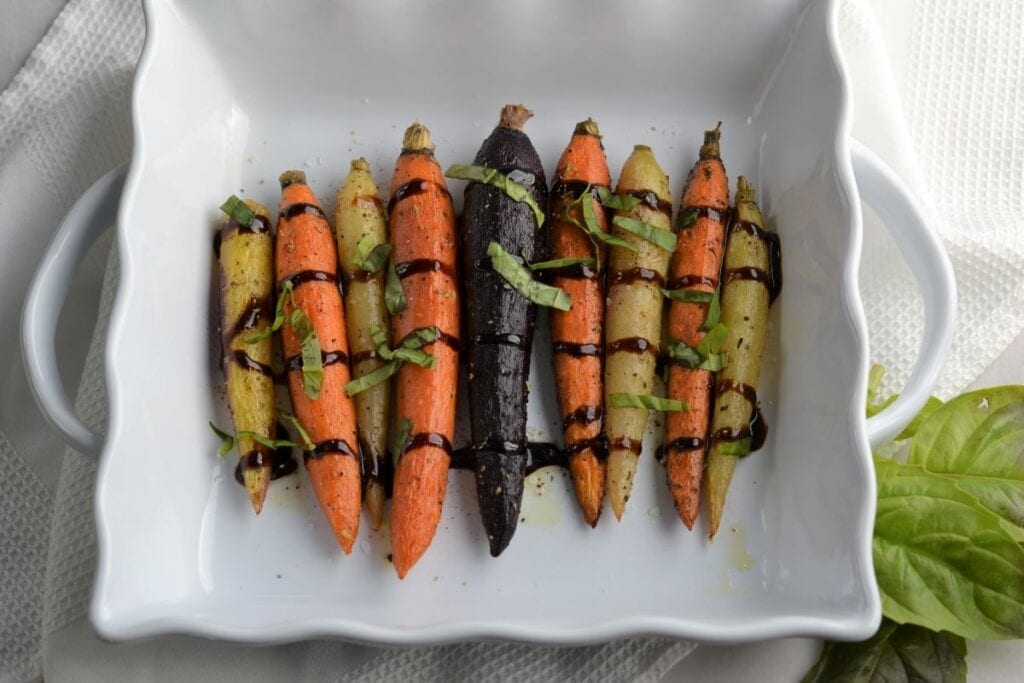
(495, 178)
(312, 358)
(707, 355)
(648, 402)
(685, 219)
(370, 256)
(227, 441)
(237, 211)
(394, 294)
(617, 202)
(738, 448)
(665, 239)
(307, 443)
(691, 296)
(401, 439)
(714, 313)
(561, 263)
(288, 291)
(381, 374)
(518, 276)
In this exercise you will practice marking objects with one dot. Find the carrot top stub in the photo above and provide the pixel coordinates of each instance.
(417, 139)
(711, 147)
(292, 177)
(514, 116)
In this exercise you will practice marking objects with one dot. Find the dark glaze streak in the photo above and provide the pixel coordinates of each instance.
(626, 443)
(685, 443)
(328, 358)
(633, 345)
(577, 271)
(538, 455)
(745, 390)
(583, 415)
(516, 340)
(250, 317)
(249, 363)
(756, 430)
(652, 201)
(687, 281)
(722, 216)
(449, 340)
(633, 275)
(597, 444)
(573, 188)
(576, 350)
(282, 462)
(363, 356)
(299, 209)
(413, 188)
(423, 265)
(429, 439)
(359, 275)
(773, 278)
(375, 469)
(329, 447)
(304, 276)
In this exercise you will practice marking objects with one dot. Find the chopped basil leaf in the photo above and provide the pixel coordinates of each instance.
(394, 294)
(415, 356)
(691, 296)
(409, 348)
(518, 276)
(490, 176)
(401, 439)
(618, 202)
(685, 219)
(662, 238)
(307, 443)
(380, 342)
(594, 228)
(696, 358)
(561, 263)
(370, 256)
(647, 401)
(238, 211)
(739, 448)
(714, 313)
(381, 374)
(312, 359)
(288, 291)
(227, 442)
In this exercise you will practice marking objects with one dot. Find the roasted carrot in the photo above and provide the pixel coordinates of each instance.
(576, 334)
(307, 265)
(693, 280)
(424, 240)
(246, 289)
(633, 329)
(750, 281)
(363, 251)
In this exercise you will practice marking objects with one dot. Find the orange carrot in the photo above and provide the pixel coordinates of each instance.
(576, 334)
(695, 267)
(307, 258)
(424, 238)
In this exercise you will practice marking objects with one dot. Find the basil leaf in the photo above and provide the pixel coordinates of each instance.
(420, 337)
(227, 442)
(307, 443)
(415, 356)
(518, 276)
(561, 263)
(664, 239)
(646, 401)
(312, 358)
(714, 313)
(897, 652)
(495, 178)
(942, 560)
(394, 294)
(617, 202)
(238, 211)
(288, 291)
(381, 374)
(976, 441)
(696, 358)
(692, 296)
(380, 342)
(738, 448)
(409, 349)
(593, 228)
(370, 256)
(401, 439)
(685, 219)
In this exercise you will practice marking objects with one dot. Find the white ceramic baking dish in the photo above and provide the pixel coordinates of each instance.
(229, 93)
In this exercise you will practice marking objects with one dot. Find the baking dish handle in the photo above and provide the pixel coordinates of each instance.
(880, 187)
(92, 214)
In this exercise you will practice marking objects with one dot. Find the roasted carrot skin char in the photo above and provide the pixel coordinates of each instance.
(307, 257)
(577, 334)
(500, 322)
(360, 215)
(425, 252)
(695, 266)
(246, 289)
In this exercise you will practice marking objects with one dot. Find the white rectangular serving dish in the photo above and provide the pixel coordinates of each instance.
(229, 93)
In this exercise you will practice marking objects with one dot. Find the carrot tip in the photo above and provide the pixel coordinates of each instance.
(417, 139)
(588, 127)
(292, 177)
(711, 149)
(514, 116)
(360, 164)
(744, 190)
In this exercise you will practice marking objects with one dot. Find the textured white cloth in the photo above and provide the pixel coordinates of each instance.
(64, 121)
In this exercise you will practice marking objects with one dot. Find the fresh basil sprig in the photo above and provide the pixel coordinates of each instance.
(370, 255)
(648, 402)
(665, 239)
(495, 178)
(409, 350)
(557, 263)
(227, 441)
(707, 355)
(394, 294)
